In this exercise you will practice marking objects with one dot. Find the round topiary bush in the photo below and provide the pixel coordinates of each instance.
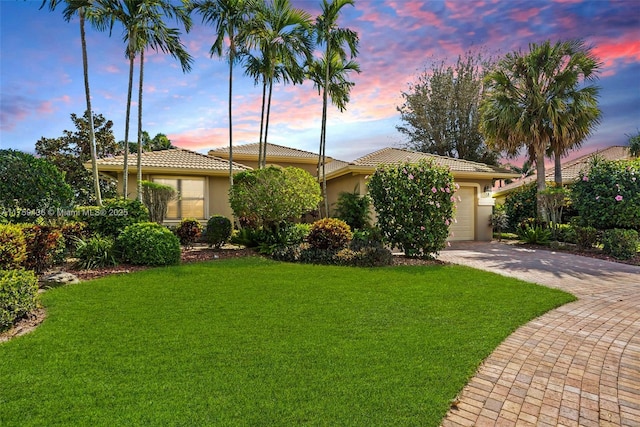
(329, 233)
(148, 243)
(218, 231)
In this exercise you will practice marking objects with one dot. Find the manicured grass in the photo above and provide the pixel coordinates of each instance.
(251, 342)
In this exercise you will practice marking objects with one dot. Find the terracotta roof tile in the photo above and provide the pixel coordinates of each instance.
(272, 150)
(176, 158)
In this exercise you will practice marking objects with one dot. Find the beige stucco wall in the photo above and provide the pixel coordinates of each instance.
(346, 183)
(219, 196)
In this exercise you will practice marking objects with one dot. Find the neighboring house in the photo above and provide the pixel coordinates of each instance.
(570, 170)
(202, 181)
(206, 179)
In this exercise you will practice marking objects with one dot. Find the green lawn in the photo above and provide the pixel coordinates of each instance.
(251, 342)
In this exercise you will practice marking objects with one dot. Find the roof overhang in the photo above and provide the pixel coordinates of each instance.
(368, 170)
(164, 170)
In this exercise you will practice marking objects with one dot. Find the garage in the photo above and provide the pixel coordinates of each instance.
(464, 226)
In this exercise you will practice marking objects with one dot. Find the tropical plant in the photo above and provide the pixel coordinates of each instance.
(156, 198)
(329, 74)
(329, 233)
(229, 18)
(31, 187)
(189, 231)
(72, 150)
(148, 243)
(44, 245)
(96, 251)
(440, 111)
(13, 247)
(535, 235)
(607, 195)
(281, 35)
(144, 27)
(532, 101)
(554, 200)
(415, 205)
(354, 208)
(117, 214)
(80, 7)
(499, 220)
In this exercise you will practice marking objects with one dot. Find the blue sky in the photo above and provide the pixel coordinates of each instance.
(41, 73)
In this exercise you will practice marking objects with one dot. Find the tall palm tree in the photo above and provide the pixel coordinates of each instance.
(144, 27)
(335, 41)
(528, 101)
(281, 34)
(229, 18)
(80, 7)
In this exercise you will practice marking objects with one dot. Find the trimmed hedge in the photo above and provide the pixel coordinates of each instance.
(620, 244)
(18, 296)
(13, 247)
(148, 243)
(218, 231)
(329, 233)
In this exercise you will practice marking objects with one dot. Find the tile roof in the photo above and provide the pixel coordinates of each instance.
(176, 158)
(391, 155)
(572, 168)
(272, 150)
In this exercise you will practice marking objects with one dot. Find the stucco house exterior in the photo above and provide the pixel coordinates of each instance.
(203, 180)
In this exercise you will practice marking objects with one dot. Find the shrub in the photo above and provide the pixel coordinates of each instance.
(95, 252)
(365, 257)
(189, 231)
(367, 238)
(499, 220)
(608, 194)
(71, 233)
(156, 198)
(148, 243)
(13, 247)
(31, 187)
(415, 204)
(114, 216)
(44, 246)
(620, 244)
(521, 204)
(18, 296)
(218, 231)
(353, 208)
(329, 233)
(586, 236)
(566, 233)
(535, 235)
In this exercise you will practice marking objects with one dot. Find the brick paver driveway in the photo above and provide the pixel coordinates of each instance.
(578, 365)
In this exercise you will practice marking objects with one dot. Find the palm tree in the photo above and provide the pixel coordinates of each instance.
(229, 17)
(144, 26)
(282, 37)
(80, 7)
(335, 40)
(529, 101)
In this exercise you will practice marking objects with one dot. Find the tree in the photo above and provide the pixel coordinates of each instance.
(157, 143)
(229, 17)
(144, 27)
(31, 187)
(634, 145)
(441, 111)
(281, 35)
(335, 41)
(73, 149)
(80, 7)
(527, 98)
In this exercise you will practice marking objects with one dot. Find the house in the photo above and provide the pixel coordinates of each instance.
(570, 170)
(203, 184)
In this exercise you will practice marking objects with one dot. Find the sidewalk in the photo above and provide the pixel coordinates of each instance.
(578, 365)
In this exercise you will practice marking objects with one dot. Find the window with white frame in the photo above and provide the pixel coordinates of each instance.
(189, 202)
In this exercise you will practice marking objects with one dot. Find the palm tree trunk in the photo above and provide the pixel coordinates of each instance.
(231, 59)
(125, 179)
(264, 95)
(557, 173)
(266, 127)
(323, 134)
(541, 184)
(92, 135)
(139, 163)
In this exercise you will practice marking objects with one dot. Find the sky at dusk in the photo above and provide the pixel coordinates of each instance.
(41, 80)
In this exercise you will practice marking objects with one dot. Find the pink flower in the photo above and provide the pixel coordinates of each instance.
(446, 222)
(442, 189)
(597, 197)
(422, 228)
(448, 244)
(447, 190)
(434, 190)
(410, 176)
(618, 198)
(585, 178)
(453, 198)
(459, 198)
(437, 204)
(457, 186)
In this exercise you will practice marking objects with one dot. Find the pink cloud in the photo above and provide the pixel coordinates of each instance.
(112, 69)
(525, 15)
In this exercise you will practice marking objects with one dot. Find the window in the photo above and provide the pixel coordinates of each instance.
(189, 202)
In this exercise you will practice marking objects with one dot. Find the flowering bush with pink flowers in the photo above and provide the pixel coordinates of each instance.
(607, 195)
(415, 204)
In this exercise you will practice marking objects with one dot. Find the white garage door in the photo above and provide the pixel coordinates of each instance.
(464, 228)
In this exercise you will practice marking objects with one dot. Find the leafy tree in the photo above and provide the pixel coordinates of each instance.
(441, 111)
(270, 196)
(415, 204)
(144, 26)
(529, 100)
(157, 143)
(156, 198)
(634, 145)
(30, 187)
(520, 205)
(80, 7)
(608, 194)
(281, 35)
(335, 40)
(230, 18)
(73, 149)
